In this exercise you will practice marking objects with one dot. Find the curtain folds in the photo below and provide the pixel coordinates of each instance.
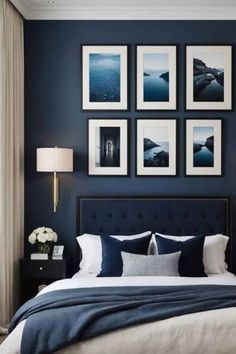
(11, 156)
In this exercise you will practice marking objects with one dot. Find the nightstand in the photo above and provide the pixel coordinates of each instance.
(34, 273)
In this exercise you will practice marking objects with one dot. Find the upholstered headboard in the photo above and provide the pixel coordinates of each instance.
(169, 215)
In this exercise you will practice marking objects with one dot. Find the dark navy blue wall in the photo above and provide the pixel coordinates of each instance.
(53, 115)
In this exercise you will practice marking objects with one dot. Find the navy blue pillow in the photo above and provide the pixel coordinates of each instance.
(191, 258)
(112, 264)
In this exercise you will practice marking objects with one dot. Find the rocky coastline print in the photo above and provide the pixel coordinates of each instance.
(203, 147)
(156, 155)
(208, 80)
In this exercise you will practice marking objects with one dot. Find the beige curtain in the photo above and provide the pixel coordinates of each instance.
(11, 156)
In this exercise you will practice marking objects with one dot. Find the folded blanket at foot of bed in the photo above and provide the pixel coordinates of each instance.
(59, 318)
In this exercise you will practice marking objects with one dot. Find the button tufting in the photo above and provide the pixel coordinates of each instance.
(109, 216)
(170, 216)
(95, 216)
(117, 230)
(140, 216)
(186, 216)
(124, 216)
(154, 216)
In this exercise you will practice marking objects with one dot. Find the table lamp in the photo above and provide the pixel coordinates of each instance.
(55, 160)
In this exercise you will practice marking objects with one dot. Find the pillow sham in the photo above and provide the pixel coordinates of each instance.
(91, 249)
(191, 259)
(112, 264)
(213, 251)
(158, 265)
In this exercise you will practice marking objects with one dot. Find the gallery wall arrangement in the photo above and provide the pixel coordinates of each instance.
(105, 87)
(194, 67)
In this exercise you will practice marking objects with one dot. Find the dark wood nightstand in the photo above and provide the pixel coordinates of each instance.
(40, 272)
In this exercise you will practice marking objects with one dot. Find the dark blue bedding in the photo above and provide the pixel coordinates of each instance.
(63, 317)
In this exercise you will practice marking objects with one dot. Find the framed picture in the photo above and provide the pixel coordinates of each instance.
(156, 77)
(203, 147)
(209, 77)
(156, 147)
(104, 77)
(108, 147)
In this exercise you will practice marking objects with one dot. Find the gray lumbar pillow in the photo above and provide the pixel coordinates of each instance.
(158, 265)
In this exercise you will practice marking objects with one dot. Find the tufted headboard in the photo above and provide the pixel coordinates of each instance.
(168, 215)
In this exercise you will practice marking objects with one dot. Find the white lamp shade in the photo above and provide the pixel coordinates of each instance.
(54, 160)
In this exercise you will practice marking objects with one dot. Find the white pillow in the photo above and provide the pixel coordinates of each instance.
(213, 251)
(91, 248)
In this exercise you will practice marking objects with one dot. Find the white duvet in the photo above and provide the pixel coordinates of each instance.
(210, 332)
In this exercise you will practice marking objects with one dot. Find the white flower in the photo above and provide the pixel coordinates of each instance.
(42, 237)
(54, 236)
(40, 229)
(42, 234)
(48, 229)
(50, 236)
(32, 238)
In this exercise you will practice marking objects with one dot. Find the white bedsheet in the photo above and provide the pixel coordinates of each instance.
(81, 280)
(209, 332)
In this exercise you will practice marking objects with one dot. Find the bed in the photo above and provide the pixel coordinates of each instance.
(209, 331)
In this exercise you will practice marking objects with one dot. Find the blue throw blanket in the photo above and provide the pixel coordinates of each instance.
(63, 317)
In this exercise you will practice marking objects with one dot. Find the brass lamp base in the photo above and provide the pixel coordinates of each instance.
(55, 191)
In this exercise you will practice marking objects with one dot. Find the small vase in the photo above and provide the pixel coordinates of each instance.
(44, 248)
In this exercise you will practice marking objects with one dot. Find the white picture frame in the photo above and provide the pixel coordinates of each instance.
(105, 77)
(160, 158)
(108, 147)
(209, 77)
(58, 251)
(202, 158)
(156, 77)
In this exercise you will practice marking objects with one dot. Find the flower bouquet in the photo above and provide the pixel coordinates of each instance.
(43, 237)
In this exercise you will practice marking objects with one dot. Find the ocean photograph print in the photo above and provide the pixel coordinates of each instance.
(203, 147)
(104, 77)
(208, 77)
(156, 147)
(156, 77)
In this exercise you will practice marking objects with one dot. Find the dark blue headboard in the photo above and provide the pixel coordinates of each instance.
(170, 215)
